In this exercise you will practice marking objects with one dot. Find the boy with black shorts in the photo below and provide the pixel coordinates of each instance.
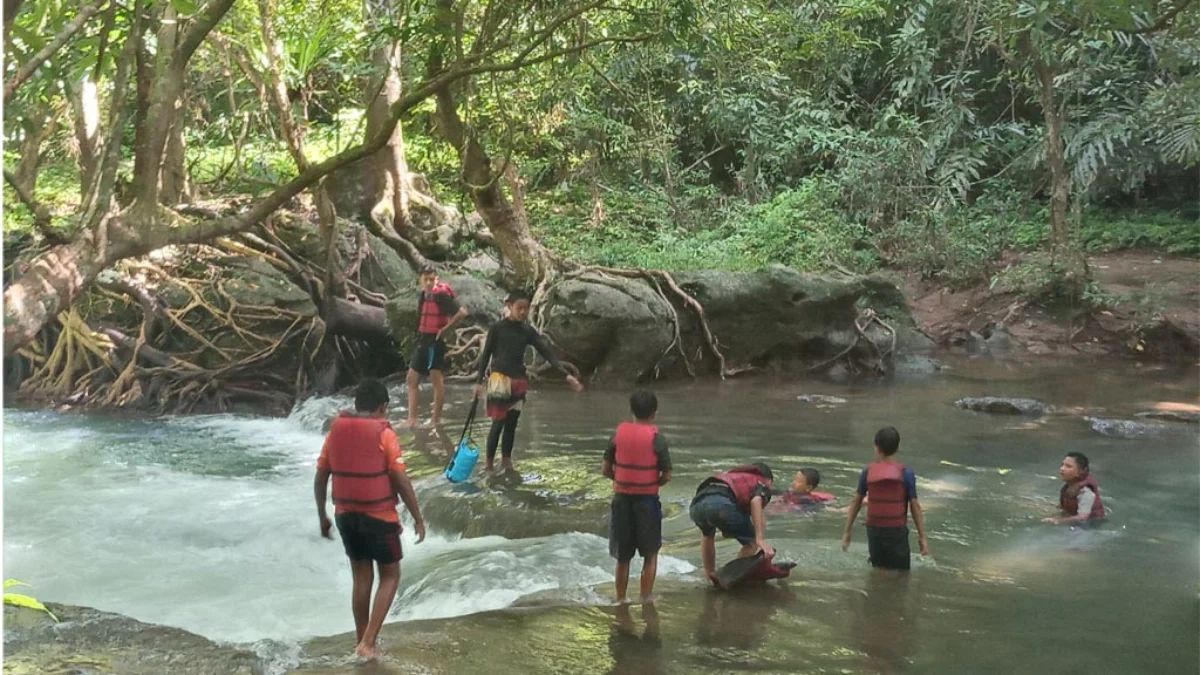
(893, 490)
(638, 463)
(437, 312)
(363, 456)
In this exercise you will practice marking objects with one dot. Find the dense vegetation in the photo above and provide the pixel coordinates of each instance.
(937, 136)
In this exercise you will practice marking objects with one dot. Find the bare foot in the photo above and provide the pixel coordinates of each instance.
(411, 423)
(368, 652)
(507, 465)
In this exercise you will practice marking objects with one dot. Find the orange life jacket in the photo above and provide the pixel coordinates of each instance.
(636, 466)
(887, 500)
(1068, 498)
(432, 319)
(358, 465)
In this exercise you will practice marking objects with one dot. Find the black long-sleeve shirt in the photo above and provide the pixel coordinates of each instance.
(505, 349)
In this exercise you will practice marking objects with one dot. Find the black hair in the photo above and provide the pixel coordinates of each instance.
(1081, 461)
(370, 396)
(427, 269)
(812, 477)
(515, 296)
(887, 440)
(643, 404)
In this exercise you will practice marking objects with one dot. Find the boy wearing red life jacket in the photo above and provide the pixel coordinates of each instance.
(893, 491)
(363, 456)
(638, 462)
(438, 310)
(733, 502)
(1079, 500)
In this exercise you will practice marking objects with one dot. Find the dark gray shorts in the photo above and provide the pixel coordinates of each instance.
(714, 512)
(635, 526)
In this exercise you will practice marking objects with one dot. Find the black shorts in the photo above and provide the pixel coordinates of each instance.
(888, 547)
(635, 526)
(367, 538)
(429, 354)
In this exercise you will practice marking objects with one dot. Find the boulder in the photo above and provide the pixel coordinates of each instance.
(1004, 406)
(1118, 428)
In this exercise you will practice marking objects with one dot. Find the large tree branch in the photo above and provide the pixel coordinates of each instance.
(1164, 20)
(205, 21)
(41, 214)
(26, 71)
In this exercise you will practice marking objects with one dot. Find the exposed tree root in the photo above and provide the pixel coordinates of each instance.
(883, 363)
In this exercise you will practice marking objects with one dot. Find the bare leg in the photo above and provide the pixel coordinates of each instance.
(708, 554)
(747, 550)
(649, 572)
(439, 396)
(622, 582)
(363, 572)
(414, 397)
(389, 581)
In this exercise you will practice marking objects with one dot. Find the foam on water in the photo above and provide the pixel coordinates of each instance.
(95, 517)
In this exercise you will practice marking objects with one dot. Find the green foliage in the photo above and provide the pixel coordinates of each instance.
(21, 600)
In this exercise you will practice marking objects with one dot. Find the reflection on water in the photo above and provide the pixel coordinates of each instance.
(206, 523)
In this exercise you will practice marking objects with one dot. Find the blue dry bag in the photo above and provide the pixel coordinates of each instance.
(466, 454)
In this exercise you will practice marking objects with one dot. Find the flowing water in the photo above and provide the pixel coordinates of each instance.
(207, 523)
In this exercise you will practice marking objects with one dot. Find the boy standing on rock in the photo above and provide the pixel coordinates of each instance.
(363, 456)
(438, 310)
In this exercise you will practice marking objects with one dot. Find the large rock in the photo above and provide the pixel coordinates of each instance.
(1003, 406)
(90, 642)
(1118, 428)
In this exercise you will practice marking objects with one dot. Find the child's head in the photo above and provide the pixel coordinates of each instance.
(887, 441)
(517, 304)
(428, 277)
(643, 404)
(806, 480)
(1074, 467)
(371, 397)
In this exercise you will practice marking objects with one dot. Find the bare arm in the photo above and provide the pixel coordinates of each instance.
(321, 493)
(607, 469)
(919, 520)
(855, 506)
(458, 316)
(759, 517)
(403, 487)
(664, 477)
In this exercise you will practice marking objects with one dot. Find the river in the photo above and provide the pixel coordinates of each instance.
(207, 523)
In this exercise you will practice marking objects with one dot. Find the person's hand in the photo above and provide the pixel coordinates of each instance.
(420, 527)
(767, 549)
(924, 546)
(846, 541)
(478, 390)
(575, 383)
(326, 527)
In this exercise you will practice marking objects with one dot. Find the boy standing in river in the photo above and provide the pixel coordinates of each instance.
(638, 462)
(893, 490)
(363, 456)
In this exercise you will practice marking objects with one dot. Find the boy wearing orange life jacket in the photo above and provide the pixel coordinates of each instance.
(638, 462)
(437, 310)
(1079, 500)
(363, 456)
(893, 491)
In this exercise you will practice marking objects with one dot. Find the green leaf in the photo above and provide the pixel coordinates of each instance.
(9, 583)
(186, 7)
(18, 600)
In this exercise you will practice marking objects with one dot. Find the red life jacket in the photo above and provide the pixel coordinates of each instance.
(887, 500)
(1068, 498)
(358, 465)
(432, 319)
(636, 466)
(742, 483)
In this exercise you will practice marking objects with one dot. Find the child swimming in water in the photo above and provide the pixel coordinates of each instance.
(801, 496)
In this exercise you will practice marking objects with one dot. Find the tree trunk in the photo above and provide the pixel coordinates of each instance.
(85, 104)
(176, 184)
(1060, 180)
(531, 261)
(31, 147)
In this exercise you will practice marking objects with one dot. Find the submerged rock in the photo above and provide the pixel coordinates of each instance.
(1171, 416)
(89, 641)
(820, 399)
(1004, 406)
(1118, 428)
